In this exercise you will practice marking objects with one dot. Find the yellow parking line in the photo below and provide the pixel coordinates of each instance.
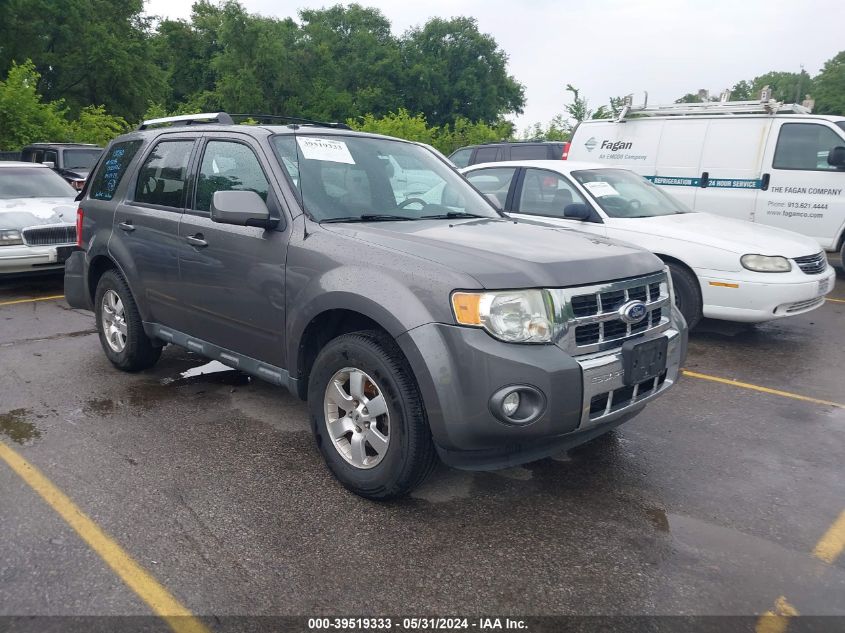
(774, 392)
(777, 620)
(835, 300)
(831, 545)
(136, 578)
(11, 303)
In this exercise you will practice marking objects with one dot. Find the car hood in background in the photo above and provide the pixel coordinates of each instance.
(19, 213)
(729, 234)
(502, 253)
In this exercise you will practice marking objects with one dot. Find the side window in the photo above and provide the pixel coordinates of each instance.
(494, 181)
(51, 155)
(547, 193)
(486, 154)
(112, 169)
(805, 146)
(529, 152)
(461, 157)
(227, 166)
(161, 179)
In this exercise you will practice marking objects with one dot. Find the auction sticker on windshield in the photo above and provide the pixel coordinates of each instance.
(314, 148)
(599, 189)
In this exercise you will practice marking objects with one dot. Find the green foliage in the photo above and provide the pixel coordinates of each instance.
(95, 125)
(829, 87)
(787, 87)
(578, 110)
(24, 117)
(558, 129)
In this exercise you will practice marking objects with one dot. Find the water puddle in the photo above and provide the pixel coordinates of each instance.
(14, 425)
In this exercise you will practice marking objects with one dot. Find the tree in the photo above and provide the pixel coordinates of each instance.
(450, 69)
(829, 86)
(579, 109)
(24, 117)
(743, 91)
(785, 86)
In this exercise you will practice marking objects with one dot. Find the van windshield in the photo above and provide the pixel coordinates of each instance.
(361, 179)
(624, 194)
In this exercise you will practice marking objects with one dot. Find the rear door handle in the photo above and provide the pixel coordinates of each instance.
(196, 240)
(764, 182)
(126, 225)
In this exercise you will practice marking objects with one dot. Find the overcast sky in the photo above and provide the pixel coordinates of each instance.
(667, 47)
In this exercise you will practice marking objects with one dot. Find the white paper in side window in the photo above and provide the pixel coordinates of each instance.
(599, 189)
(314, 148)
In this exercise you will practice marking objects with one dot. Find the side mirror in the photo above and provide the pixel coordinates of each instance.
(836, 157)
(493, 200)
(49, 164)
(241, 208)
(577, 212)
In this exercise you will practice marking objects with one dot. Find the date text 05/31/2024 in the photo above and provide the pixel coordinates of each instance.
(416, 624)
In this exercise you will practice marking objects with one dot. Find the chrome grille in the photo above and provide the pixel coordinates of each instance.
(49, 235)
(812, 264)
(595, 324)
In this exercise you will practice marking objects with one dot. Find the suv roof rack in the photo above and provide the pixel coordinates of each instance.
(765, 105)
(190, 119)
(293, 119)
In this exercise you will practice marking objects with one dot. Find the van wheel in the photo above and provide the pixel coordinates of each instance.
(687, 294)
(119, 324)
(367, 416)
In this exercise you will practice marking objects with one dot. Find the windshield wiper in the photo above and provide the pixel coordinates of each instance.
(368, 217)
(450, 215)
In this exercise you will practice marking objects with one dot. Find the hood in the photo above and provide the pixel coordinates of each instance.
(19, 213)
(729, 234)
(501, 253)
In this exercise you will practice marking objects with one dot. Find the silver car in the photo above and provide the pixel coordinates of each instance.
(37, 218)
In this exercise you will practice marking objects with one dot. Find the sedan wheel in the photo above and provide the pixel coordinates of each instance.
(114, 321)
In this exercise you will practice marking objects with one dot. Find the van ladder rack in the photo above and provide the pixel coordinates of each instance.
(765, 105)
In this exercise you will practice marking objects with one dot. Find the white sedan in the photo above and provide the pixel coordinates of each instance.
(37, 218)
(721, 268)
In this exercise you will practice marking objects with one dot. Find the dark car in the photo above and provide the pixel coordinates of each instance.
(72, 161)
(416, 324)
(513, 150)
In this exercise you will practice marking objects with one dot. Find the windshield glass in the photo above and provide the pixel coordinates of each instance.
(624, 194)
(355, 178)
(81, 158)
(841, 124)
(33, 182)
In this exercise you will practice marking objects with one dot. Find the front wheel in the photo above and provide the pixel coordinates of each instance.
(687, 294)
(367, 416)
(120, 327)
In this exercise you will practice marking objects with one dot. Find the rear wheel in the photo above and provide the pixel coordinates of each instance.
(367, 416)
(687, 294)
(119, 324)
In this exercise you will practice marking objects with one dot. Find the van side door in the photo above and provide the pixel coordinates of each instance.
(802, 192)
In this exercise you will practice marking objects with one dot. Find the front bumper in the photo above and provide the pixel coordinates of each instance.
(27, 259)
(755, 301)
(459, 369)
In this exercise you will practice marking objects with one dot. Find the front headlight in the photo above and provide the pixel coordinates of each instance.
(513, 316)
(10, 237)
(766, 263)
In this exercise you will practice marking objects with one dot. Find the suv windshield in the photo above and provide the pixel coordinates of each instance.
(357, 178)
(81, 158)
(624, 194)
(33, 182)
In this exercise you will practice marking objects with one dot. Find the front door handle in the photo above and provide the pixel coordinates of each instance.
(764, 182)
(196, 240)
(126, 225)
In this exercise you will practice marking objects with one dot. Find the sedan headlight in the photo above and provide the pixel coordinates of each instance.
(10, 237)
(513, 316)
(766, 263)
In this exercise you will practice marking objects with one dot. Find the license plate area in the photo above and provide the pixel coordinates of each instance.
(644, 360)
(824, 287)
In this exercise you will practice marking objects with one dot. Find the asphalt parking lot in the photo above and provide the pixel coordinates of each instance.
(720, 499)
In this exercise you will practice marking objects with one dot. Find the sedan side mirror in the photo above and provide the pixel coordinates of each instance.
(241, 208)
(577, 212)
(836, 157)
(49, 164)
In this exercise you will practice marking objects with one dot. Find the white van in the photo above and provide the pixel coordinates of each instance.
(764, 161)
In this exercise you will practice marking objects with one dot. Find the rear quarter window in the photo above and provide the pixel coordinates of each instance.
(529, 152)
(112, 169)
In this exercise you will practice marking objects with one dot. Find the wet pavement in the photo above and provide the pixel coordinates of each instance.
(710, 502)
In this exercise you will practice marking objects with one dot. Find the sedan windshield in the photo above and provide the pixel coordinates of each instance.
(83, 159)
(33, 182)
(624, 194)
(362, 179)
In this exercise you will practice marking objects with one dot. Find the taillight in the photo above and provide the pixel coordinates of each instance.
(565, 154)
(79, 216)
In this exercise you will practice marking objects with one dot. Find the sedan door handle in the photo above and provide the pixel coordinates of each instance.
(196, 240)
(126, 225)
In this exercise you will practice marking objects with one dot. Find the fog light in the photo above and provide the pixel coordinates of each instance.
(511, 403)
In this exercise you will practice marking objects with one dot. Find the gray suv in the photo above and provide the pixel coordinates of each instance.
(365, 275)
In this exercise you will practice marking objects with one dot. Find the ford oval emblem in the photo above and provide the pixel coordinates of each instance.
(632, 312)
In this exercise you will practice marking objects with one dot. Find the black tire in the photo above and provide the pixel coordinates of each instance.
(842, 257)
(687, 294)
(139, 351)
(410, 455)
